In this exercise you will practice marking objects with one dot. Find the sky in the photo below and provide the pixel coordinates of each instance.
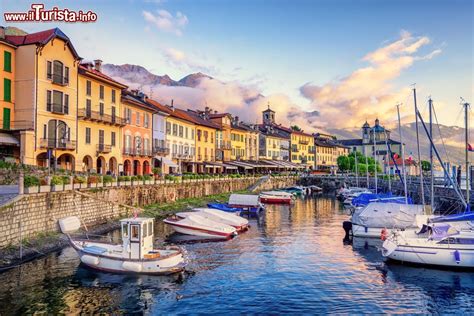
(320, 64)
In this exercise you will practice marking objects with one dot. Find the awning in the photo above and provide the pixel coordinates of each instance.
(240, 164)
(224, 165)
(168, 162)
(211, 165)
(7, 139)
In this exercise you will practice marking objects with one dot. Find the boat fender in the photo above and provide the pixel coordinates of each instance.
(132, 266)
(90, 260)
(383, 234)
(347, 226)
(457, 256)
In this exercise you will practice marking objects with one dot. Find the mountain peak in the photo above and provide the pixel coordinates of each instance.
(192, 80)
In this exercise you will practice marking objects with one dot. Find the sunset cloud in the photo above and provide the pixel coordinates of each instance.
(349, 101)
(166, 22)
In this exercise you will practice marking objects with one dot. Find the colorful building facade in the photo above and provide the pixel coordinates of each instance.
(302, 149)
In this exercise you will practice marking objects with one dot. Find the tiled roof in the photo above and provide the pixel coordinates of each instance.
(399, 162)
(218, 115)
(197, 119)
(41, 38)
(358, 142)
(176, 113)
(128, 96)
(84, 70)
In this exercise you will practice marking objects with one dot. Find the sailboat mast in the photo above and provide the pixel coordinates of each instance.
(357, 171)
(375, 160)
(418, 149)
(430, 102)
(403, 155)
(366, 167)
(387, 161)
(466, 125)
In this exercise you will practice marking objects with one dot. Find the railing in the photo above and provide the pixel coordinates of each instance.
(199, 157)
(100, 117)
(312, 151)
(55, 143)
(294, 150)
(161, 150)
(57, 108)
(223, 145)
(275, 157)
(206, 158)
(304, 142)
(103, 148)
(146, 152)
(60, 79)
(17, 125)
(284, 147)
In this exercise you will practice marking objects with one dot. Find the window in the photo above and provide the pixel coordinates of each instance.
(101, 109)
(137, 118)
(175, 130)
(206, 135)
(168, 128)
(180, 131)
(192, 134)
(7, 90)
(127, 115)
(186, 135)
(88, 88)
(135, 232)
(101, 137)
(198, 135)
(57, 72)
(112, 139)
(101, 92)
(88, 135)
(57, 102)
(6, 118)
(113, 96)
(7, 61)
(66, 75)
(144, 232)
(49, 70)
(88, 108)
(113, 114)
(146, 119)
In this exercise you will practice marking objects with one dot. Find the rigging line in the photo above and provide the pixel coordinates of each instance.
(440, 135)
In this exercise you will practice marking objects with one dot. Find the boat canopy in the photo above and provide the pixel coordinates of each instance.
(366, 198)
(244, 199)
(389, 215)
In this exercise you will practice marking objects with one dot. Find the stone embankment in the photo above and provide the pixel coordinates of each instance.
(28, 215)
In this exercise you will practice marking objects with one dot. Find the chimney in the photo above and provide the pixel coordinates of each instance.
(172, 104)
(215, 112)
(2, 32)
(98, 65)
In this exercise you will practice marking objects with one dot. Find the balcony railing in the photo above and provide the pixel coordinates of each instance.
(284, 147)
(275, 157)
(101, 117)
(304, 142)
(60, 79)
(57, 108)
(16, 125)
(312, 151)
(224, 145)
(54, 143)
(157, 150)
(206, 158)
(294, 150)
(181, 156)
(199, 157)
(146, 152)
(104, 149)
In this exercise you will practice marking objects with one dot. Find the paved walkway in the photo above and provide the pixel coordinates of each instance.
(7, 192)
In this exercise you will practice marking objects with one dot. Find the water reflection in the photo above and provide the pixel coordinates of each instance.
(291, 260)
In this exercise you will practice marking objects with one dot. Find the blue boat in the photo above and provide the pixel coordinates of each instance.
(241, 210)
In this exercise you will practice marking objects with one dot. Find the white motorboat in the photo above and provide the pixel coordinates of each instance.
(135, 255)
(197, 225)
(279, 198)
(371, 219)
(218, 216)
(437, 244)
(278, 193)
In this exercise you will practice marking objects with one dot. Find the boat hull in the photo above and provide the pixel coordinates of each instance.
(445, 257)
(275, 200)
(188, 230)
(367, 232)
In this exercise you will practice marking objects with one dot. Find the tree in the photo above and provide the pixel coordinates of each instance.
(296, 128)
(343, 163)
(425, 165)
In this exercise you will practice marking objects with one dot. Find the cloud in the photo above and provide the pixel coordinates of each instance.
(166, 22)
(368, 91)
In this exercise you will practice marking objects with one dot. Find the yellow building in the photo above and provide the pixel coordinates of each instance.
(327, 151)
(238, 142)
(271, 146)
(206, 132)
(99, 120)
(46, 66)
(302, 149)
(223, 136)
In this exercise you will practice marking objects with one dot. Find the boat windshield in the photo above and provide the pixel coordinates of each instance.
(458, 241)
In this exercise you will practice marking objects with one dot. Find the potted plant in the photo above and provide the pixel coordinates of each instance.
(57, 183)
(79, 182)
(44, 185)
(31, 184)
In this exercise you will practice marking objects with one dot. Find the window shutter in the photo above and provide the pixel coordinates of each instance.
(66, 104)
(48, 101)
(66, 75)
(49, 70)
(7, 61)
(7, 95)
(68, 133)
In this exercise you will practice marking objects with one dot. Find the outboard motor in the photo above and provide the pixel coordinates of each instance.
(347, 226)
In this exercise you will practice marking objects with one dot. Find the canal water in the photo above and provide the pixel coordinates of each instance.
(292, 260)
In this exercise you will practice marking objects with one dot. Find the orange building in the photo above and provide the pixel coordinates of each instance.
(136, 134)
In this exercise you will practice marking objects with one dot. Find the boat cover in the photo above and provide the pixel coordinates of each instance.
(366, 198)
(244, 199)
(224, 207)
(440, 231)
(96, 250)
(467, 216)
(389, 215)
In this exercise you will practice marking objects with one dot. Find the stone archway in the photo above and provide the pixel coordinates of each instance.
(66, 162)
(127, 167)
(42, 160)
(101, 165)
(87, 163)
(113, 166)
(137, 170)
(146, 167)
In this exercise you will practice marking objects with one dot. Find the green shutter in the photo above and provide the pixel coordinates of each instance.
(7, 61)
(6, 118)
(7, 87)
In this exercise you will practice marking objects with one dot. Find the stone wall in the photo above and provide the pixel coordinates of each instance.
(30, 214)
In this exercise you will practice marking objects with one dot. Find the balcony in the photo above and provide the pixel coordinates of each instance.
(103, 148)
(312, 151)
(224, 145)
(145, 152)
(95, 116)
(163, 151)
(199, 157)
(60, 80)
(206, 158)
(57, 108)
(303, 142)
(294, 150)
(276, 157)
(53, 143)
(284, 147)
(181, 156)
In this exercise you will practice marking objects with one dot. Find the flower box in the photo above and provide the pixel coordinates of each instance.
(78, 185)
(45, 188)
(33, 189)
(67, 187)
(57, 187)
(148, 182)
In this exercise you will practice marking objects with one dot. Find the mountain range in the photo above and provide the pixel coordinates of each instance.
(453, 136)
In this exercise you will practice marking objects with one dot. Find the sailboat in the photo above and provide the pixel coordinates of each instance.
(439, 242)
